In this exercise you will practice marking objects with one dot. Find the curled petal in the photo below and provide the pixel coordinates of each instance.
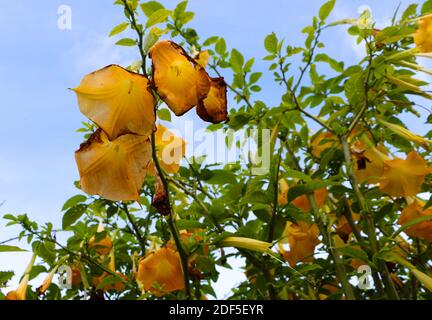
(214, 107)
(118, 101)
(403, 178)
(180, 81)
(114, 169)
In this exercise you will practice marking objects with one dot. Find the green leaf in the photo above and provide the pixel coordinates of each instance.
(157, 17)
(326, 9)
(426, 7)
(72, 215)
(6, 248)
(79, 198)
(236, 61)
(119, 28)
(353, 253)
(220, 46)
(127, 42)
(150, 7)
(297, 174)
(254, 77)
(354, 89)
(189, 224)
(221, 177)
(164, 114)
(5, 276)
(337, 66)
(271, 43)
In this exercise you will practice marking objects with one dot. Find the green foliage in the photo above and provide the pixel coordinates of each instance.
(318, 94)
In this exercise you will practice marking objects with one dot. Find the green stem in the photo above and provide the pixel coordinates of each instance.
(135, 228)
(367, 216)
(340, 268)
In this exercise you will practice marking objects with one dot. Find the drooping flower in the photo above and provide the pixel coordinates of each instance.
(21, 292)
(113, 169)
(170, 150)
(160, 272)
(214, 107)
(179, 80)
(102, 246)
(47, 282)
(403, 178)
(423, 35)
(302, 202)
(422, 230)
(302, 239)
(322, 142)
(183, 83)
(118, 101)
(369, 161)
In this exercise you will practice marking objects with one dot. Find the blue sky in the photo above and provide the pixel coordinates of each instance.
(39, 62)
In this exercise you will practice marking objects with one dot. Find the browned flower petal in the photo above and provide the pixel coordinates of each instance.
(118, 101)
(114, 169)
(160, 198)
(214, 107)
(179, 80)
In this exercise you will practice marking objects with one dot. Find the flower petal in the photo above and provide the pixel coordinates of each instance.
(118, 101)
(179, 80)
(214, 108)
(114, 169)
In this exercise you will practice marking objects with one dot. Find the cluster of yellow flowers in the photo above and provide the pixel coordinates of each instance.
(115, 160)
(396, 177)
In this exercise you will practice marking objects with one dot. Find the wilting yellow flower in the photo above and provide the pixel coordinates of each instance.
(180, 81)
(214, 107)
(21, 292)
(283, 192)
(404, 177)
(302, 202)
(423, 35)
(114, 169)
(369, 162)
(47, 282)
(422, 230)
(118, 101)
(323, 141)
(103, 246)
(161, 272)
(202, 58)
(302, 239)
(170, 150)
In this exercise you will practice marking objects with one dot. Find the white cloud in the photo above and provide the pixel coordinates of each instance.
(94, 51)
